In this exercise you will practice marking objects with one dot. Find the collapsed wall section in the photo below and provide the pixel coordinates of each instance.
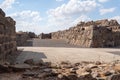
(7, 36)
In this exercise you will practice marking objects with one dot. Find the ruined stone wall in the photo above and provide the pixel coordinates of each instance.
(45, 36)
(21, 38)
(106, 34)
(101, 33)
(81, 36)
(102, 37)
(7, 36)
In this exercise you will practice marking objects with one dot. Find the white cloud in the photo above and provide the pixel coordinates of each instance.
(6, 4)
(62, 23)
(59, 23)
(102, 1)
(74, 7)
(116, 18)
(67, 14)
(81, 18)
(27, 20)
(105, 11)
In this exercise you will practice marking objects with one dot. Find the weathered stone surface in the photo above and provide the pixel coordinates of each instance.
(86, 76)
(20, 67)
(101, 33)
(72, 77)
(30, 73)
(4, 68)
(2, 13)
(103, 71)
(114, 77)
(91, 66)
(29, 61)
(21, 38)
(107, 73)
(45, 36)
(7, 36)
(47, 70)
(98, 63)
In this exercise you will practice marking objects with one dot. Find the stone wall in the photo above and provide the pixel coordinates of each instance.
(21, 38)
(45, 36)
(7, 36)
(101, 33)
(31, 35)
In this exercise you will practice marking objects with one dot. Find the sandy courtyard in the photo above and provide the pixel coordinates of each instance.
(58, 54)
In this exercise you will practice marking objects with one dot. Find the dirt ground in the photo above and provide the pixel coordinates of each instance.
(58, 54)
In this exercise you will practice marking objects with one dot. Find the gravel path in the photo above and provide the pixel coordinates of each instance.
(58, 54)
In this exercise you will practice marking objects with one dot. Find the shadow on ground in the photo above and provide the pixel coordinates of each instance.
(115, 52)
(25, 55)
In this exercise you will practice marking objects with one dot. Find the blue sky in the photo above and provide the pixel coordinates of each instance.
(53, 15)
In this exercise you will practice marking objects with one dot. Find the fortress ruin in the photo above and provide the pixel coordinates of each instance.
(7, 36)
(101, 33)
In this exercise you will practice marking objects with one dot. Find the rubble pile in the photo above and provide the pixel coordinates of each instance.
(65, 70)
(101, 33)
(7, 36)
